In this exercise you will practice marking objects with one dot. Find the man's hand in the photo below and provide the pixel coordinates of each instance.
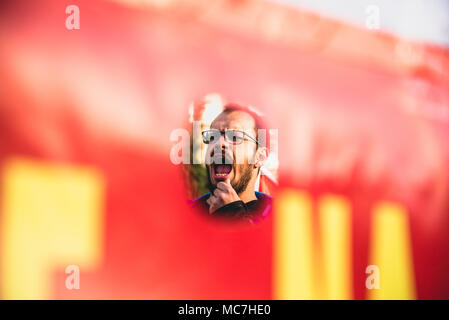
(223, 194)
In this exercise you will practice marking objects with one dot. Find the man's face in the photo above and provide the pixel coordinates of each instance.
(237, 160)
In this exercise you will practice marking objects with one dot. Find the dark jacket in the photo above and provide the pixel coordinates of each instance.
(252, 211)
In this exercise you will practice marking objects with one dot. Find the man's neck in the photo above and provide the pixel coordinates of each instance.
(248, 195)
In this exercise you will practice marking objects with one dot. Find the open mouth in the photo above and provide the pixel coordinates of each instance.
(221, 171)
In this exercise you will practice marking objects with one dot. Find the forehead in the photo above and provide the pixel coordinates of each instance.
(234, 120)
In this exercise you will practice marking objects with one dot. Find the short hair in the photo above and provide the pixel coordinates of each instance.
(255, 114)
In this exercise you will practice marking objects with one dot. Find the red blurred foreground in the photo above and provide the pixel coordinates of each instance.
(360, 115)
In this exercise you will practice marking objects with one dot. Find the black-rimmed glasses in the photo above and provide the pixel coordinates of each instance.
(231, 135)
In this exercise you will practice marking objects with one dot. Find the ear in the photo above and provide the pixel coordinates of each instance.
(261, 157)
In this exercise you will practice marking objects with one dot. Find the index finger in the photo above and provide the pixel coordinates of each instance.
(223, 186)
(210, 199)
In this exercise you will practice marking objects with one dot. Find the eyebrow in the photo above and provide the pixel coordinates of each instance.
(233, 128)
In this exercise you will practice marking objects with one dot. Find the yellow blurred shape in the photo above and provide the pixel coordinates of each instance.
(52, 218)
(391, 252)
(293, 256)
(336, 244)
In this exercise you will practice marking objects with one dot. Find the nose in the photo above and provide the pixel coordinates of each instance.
(222, 142)
(220, 145)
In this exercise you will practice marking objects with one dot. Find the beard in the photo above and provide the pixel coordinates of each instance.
(244, 171)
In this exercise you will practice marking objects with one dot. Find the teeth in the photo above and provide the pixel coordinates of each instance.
(221, 174)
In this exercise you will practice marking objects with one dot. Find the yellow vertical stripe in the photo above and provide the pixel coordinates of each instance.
(293, 260)
(52, 217)
(336, 244)
(391, 252)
